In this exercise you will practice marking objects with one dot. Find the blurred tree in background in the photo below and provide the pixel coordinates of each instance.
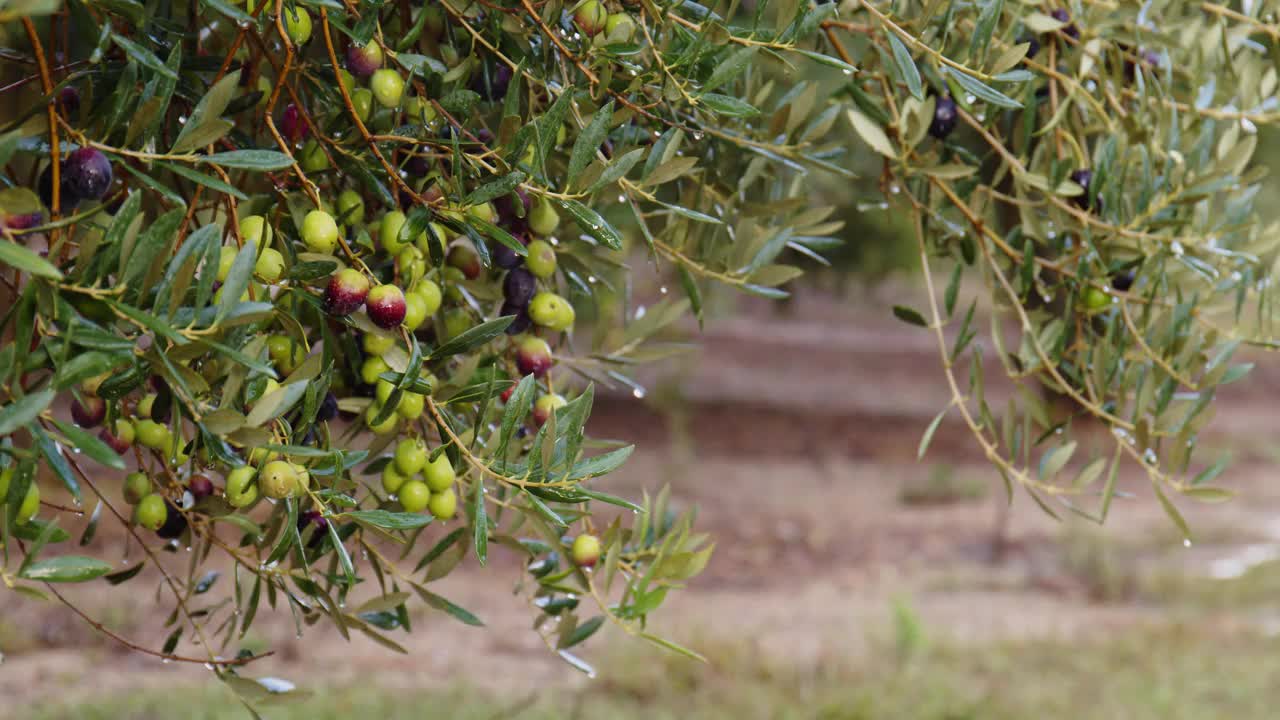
(316, 268)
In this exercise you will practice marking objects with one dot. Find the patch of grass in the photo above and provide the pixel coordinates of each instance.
(1107, 568)
(1255, 587)
(1167, 672)
(942, 486)
(17, 638)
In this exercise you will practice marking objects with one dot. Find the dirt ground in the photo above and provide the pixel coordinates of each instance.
(796, 435)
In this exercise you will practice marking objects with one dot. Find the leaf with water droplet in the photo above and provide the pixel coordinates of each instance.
(590, 222)
(68, 568)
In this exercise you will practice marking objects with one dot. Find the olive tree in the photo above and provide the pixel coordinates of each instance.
(310, 272)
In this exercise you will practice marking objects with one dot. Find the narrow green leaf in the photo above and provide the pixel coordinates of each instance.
(581, 632)
(1209, 494)
(1172, 512)
(547, 127)
(238, 278)
(388, 520)
(929, 431)
(447, 606)
(17, 256)
(495, 188)
(67, 569)
(907, 315)
(1052, 462)
(601, 464)
(617, 169)
(1211, 472)
(177, 277)
(275, 403)
(730, 67)
(344, 558)
(906, 67)
(52, 453)
(518, 405)
(828, 60)
(151, 245)
(728, 105)
(473, 338)
(982, 91)
(143, 56)
(987, 20)
(125, 575)
(589, 140)
(953, 289)
(672, 646)
(23, 410)
(91, 528)
(91, 446)
(607, 498)
(690, 286)
(264, 160)
(480, 522)
(210, 108)
(200, 178)
(120, 224)
(592, 223)
(149, 321)
(439, 548)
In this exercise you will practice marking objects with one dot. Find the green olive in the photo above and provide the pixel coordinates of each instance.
(286, 354)
(153, 435)
(431, 296)
(242, 486)
(443, 504)
(543, 218)
(254, 229)
(414, 496)
(377, 344)
(278, 479)
(136, 486)
(551, 311)
(1096, 299)
(410, 456)
(387, 87)
(542, 259)
(151, 512)
(320, 232)
(270, 266)
(439, 474)
(415, 311)
(30, 503)
(350, 207)
(297, 22)
(392, 479)
(389, 232)
(585, 550)
(386, 426)
(372, 368)
(411, 406)
(362, 101)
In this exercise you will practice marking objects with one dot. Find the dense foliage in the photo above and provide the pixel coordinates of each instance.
(316, 268)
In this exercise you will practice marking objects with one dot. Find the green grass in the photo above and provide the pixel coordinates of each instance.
(1255, 589)
(1169, 672)
(943, 485)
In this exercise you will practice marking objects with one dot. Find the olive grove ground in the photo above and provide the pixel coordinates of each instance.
(864, 579)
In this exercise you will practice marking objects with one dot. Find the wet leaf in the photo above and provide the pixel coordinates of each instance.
(66, 569)
(871, 133)
(388, 520)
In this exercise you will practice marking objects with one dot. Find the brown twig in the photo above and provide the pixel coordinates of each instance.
(104, 630)
(46, 82)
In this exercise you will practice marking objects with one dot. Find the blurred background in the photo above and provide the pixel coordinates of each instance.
(851, 580)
